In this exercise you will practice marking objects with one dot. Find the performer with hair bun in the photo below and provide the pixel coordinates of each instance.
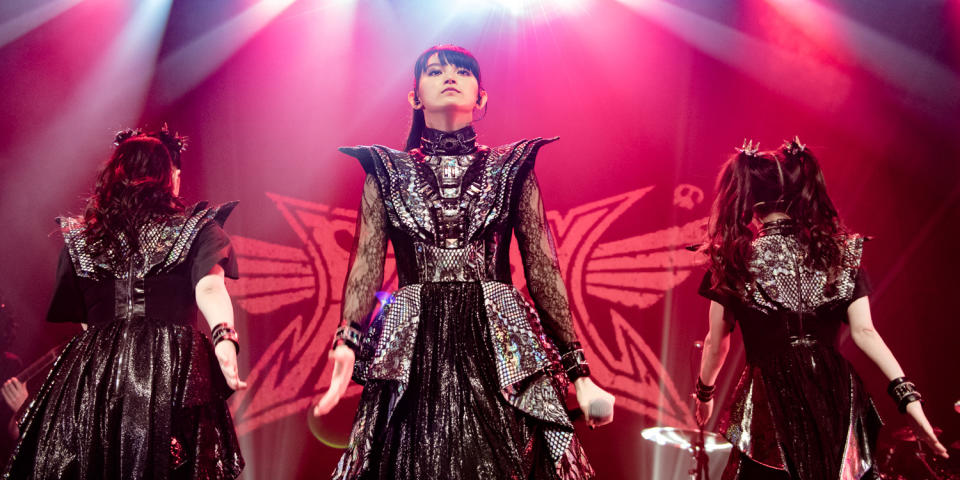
(800, 410)
(463, 379)
(141, 392)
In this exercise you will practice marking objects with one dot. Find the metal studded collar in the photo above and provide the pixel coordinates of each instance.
(777, 227)
(460, 142)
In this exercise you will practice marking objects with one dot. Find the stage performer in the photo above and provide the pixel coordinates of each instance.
(799, 411)
(462, 377)
(140, 392)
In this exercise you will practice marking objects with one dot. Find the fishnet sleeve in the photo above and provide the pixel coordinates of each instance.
(541, 267)
(365, 275)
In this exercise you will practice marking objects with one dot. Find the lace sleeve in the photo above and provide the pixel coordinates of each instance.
(541, 267)
(365, 275)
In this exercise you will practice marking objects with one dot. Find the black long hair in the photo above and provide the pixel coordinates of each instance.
(133, 188)
(448, 55)
(788, 180)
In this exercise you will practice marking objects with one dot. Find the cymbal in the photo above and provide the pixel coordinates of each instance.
(905, 434)
(333, 429)
(684, 438)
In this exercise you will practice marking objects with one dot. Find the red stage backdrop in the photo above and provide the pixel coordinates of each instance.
(647, 96)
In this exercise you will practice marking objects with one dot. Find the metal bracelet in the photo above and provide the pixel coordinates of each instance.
(225, 332)
(705, 392)
(347, 335)
(575, 364)
(903, 392)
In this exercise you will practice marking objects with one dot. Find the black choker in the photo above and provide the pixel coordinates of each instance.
(460, 142)
(782, 226)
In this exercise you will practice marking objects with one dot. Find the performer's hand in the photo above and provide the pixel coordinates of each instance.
(704, 412)
(227, 357)
(923, 430)
(14, 393)
(343, 358)
(587, 393)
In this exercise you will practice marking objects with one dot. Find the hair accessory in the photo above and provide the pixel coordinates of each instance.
(124, 135)
(748, 148)
(173, 141)
(794, 146)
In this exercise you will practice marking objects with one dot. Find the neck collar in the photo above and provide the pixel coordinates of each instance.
(437, 142)
(781, 226)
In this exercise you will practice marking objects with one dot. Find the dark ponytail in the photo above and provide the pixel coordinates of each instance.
(817, 219)
(730, 233)
(417, 124)
(788, 181)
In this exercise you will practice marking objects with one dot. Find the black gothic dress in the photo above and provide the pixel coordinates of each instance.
(138, 394)
(799, 411)
(459, 371)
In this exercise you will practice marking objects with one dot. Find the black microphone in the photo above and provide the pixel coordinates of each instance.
(597, 409)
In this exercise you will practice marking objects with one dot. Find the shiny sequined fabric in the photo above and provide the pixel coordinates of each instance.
(799, 410)
(139, 394)
(784, 282)
(461, 374)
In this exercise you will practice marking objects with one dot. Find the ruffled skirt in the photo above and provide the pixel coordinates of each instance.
(130, 400)
(802, 415)
(450, 418)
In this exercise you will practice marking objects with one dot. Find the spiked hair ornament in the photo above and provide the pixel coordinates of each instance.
(749, 148)
(174, 143)
(793, 147)
(124, 135)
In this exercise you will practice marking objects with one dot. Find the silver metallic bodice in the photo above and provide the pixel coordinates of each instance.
(784, 282)
(163, 245)
(448, 208)
(452, 209)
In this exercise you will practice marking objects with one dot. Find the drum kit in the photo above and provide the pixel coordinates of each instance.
(904, 457)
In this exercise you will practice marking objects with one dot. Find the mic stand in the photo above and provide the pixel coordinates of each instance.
(701, 470)
(698, 449)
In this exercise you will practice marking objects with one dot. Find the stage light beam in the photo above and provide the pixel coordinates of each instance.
(26, 22)
(184, 69)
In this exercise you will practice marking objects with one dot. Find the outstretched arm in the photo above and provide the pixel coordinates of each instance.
(867, 339)
(364, 278)
(715, 348)
(545, 284)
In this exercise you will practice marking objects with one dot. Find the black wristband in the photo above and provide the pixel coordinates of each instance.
(224, 332)
(574, 362)
(705, 392)
(347, 335)
(903, 392)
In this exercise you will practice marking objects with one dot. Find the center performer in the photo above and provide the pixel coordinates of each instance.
(462, 377)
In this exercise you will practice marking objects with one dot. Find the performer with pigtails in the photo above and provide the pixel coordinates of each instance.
(800, 410)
